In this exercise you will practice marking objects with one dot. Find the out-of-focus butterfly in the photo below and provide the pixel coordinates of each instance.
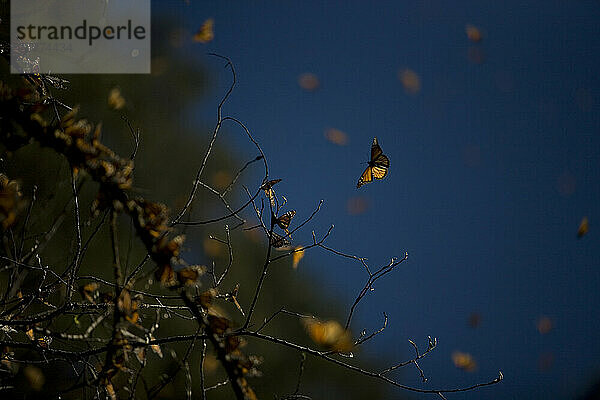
(329, 334)
(189, 276)
(378, 165)
(205, 34)
(584, 227)
(464, 361)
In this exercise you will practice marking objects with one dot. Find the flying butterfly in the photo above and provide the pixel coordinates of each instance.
(584, 227)
(206, 33)
(378, 165)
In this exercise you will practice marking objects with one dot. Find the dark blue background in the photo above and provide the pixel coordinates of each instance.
(493, 166)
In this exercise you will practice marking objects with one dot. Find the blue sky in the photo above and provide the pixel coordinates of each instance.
(493, 165)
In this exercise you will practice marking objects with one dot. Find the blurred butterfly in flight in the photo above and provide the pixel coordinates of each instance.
(378, 165)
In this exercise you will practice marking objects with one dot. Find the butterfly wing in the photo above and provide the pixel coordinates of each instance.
(375, 150)
(379, 173)
(380, 166)
(284, 221)
(278, 241)
(366, 177)
(381, 161)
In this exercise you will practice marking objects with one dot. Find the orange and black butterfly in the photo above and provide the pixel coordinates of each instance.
(189, 276)
(284, 220)
(278, 241)
(378, 165)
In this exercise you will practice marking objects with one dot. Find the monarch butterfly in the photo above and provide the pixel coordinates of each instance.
(189, 275)
(378, 165)
(284, 220)
(278, 241)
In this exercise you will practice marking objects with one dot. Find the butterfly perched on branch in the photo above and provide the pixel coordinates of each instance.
(284, 220)
(378, 165)
(278, 241)
(267, 187)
